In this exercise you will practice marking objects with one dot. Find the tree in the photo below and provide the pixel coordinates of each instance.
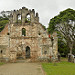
(3, 22)
(62, 48)
(65, 24)
(4, 19)
(67, 30)
(5, 14)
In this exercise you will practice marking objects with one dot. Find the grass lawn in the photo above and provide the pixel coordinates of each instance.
(1, 63)
(61, 68)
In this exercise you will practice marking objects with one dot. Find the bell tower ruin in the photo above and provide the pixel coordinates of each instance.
(34, 18)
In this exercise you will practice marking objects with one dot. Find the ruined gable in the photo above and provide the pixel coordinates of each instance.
(27, 38)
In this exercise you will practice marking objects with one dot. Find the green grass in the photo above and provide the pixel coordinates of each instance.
(62, 68)
(1, 63)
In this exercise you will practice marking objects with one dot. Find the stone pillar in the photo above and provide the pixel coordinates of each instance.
(19, 15)
(32, 14)
(14, 16)
(9, 34)
(24, 13)
(11, 18)
(55, 45)
(37, 17)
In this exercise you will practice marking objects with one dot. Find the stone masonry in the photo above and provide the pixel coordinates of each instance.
(34, 43)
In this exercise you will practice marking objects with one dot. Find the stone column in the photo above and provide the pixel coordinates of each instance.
(11, 18)
(14, 16)
(55, 45)
(37, 17)
(24, 13)
(32, 14)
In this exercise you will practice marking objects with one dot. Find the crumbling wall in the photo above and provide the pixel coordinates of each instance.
(4, 40)
(55, 44)
(23, 12)
(36, 37)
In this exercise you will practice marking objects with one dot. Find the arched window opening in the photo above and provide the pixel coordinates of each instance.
(19, 18)
(1, 51)
(27, 19)
(45, 52)
(23, 31)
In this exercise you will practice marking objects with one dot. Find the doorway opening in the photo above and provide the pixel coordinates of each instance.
(27, 52)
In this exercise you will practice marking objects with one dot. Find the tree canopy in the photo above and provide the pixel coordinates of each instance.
(3, 22)
(64, 23)
(64, 16)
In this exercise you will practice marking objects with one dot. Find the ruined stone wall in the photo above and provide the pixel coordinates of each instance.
(23, 13)
(16, 38)
(16, 30)
(4, 41)
(44, 42)
(55, 44)
(36, 37)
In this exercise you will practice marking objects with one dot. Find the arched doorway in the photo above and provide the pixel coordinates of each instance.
(27, 52)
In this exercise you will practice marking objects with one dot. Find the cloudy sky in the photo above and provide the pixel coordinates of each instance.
(46, 8)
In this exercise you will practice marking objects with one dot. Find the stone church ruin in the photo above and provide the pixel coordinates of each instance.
(24, 37)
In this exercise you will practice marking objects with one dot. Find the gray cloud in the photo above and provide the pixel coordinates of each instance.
(46, 8)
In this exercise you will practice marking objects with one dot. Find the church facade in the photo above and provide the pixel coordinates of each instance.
(25, 37)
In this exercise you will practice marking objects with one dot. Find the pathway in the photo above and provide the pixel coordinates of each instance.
(21, 69)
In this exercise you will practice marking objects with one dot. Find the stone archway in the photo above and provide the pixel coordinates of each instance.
(23, 50)
(27, 52)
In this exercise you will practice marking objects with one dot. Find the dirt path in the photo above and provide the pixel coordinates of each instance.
(21, 69)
